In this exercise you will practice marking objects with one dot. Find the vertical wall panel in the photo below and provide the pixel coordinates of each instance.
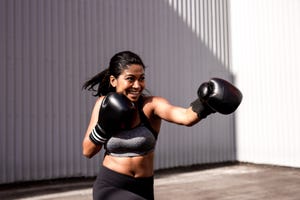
(49, 48)
(3, 89)
(265, 47)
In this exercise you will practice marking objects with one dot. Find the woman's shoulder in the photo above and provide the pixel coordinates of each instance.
(153, 101)
(99, 101)
(149, 106)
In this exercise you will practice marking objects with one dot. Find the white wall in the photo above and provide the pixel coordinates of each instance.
(265, 46)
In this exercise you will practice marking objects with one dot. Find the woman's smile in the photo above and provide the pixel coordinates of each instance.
(134, 95)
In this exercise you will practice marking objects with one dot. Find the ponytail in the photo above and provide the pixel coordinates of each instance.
(102, 80)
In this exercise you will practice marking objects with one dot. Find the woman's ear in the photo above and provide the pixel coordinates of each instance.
(113, 81)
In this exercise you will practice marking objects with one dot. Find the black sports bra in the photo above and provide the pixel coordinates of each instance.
(137, 141)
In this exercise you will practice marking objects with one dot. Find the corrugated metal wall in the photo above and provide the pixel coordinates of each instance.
(265, 56)
(50, 47)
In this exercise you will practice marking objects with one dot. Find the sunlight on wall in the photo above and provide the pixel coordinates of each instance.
(208, 20)
(265, 47)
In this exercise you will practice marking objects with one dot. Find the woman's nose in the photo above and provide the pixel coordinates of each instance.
(136, 84)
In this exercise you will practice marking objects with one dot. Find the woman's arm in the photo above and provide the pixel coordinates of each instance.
(175, 114)
(89, 149)
(216, 95)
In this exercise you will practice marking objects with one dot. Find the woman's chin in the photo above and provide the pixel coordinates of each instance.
(133, 97)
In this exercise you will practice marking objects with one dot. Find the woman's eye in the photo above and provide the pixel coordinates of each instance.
(130, 79)
(142, 79)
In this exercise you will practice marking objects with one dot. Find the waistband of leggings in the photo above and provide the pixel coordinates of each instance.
(117, 178)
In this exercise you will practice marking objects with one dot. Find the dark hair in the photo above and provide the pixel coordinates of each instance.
(117, 64)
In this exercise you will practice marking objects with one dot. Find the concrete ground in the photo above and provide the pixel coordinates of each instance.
(234, 182)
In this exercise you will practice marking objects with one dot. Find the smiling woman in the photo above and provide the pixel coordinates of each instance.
(131, 82)
(126, 123)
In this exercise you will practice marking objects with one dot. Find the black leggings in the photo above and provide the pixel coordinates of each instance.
(111, 185)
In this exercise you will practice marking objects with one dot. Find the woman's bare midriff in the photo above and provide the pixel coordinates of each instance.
(140, 166)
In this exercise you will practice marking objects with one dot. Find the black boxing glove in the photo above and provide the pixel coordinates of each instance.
(217, 95)
(116, 113)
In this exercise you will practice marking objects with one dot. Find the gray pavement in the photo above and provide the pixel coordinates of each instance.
(224, 182)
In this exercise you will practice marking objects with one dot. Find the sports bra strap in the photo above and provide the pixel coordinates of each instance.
(144, 119)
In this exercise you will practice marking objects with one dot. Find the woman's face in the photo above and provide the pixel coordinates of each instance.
(131, 82)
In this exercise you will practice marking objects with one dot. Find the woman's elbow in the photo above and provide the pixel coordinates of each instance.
(87, 153)
(89, 149)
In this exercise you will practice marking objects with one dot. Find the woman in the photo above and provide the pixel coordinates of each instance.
(127, 168)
